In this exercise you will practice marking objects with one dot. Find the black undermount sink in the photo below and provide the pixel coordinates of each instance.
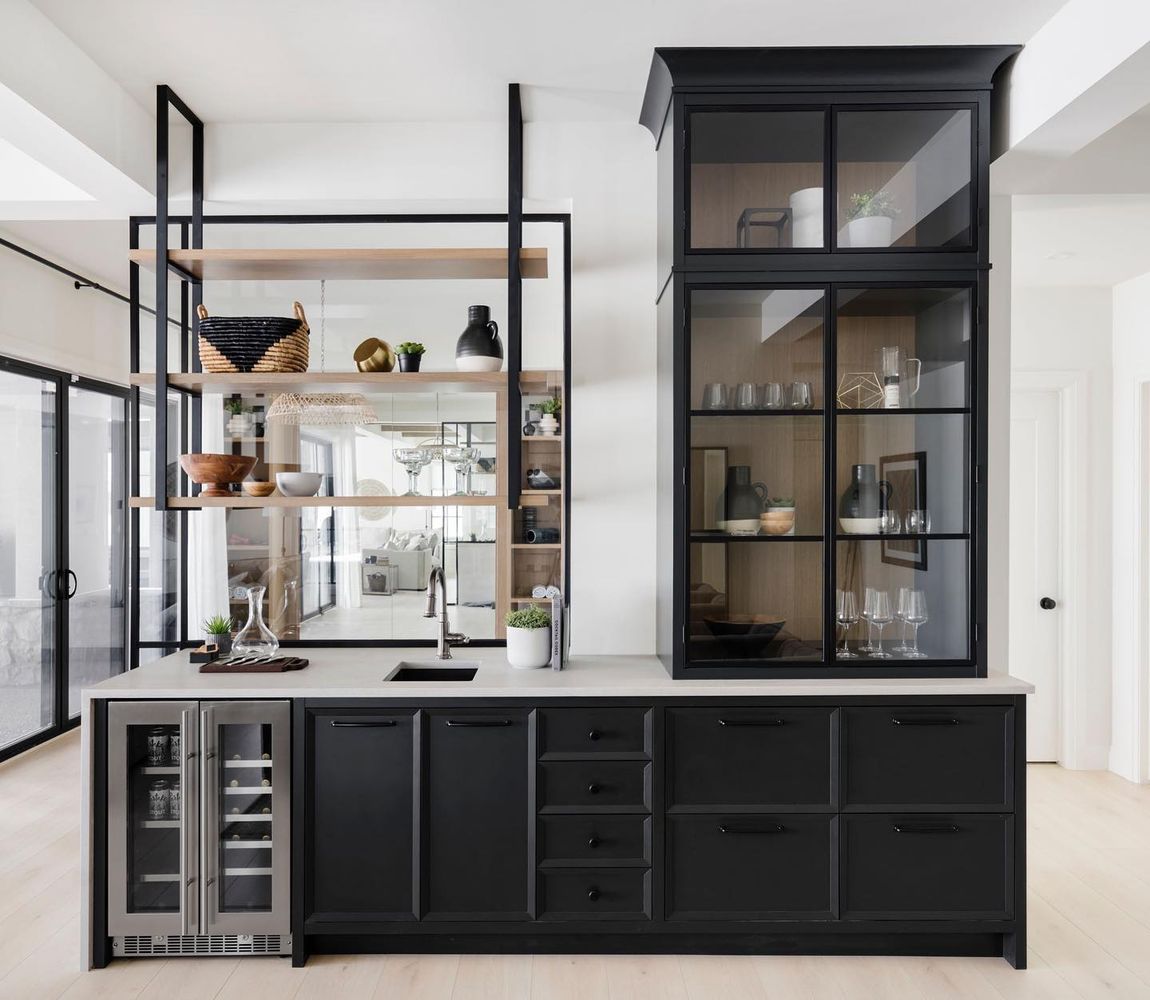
(419, 672)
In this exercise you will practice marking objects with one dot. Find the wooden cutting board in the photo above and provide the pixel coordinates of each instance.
(276, 666)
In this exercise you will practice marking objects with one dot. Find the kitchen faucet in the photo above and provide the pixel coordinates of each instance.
(446, 638)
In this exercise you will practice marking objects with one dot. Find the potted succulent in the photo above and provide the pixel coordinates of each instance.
(779, 517)
(549, 422)
(218, 630)
(871, 219)
(240, 422)
(528, 638)
(409, 353)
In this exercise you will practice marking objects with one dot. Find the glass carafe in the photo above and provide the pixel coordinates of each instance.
(255, 638)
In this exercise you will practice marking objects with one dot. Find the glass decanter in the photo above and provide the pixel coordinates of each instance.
(255, 638)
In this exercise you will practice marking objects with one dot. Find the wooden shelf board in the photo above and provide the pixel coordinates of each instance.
(536, 545)
(297, 502)
(365, 382)
(539, 438)
(356, 263)
(542, 493)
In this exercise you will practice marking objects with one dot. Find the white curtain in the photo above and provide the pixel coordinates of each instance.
(208, 538)
(348, 554)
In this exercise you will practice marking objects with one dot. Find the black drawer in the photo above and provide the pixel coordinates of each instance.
(594, 786)
(604, 730)
(567, 841)
(595, 894)
(957, 866)
(923, 757)
(750, 867)
(765, 758)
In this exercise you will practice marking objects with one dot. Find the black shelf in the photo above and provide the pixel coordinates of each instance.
(938, 536)
(758, 413)
(722, 536)
(906, 411)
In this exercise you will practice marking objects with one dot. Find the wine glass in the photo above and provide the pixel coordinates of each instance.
(868, 646)
(877, 612)
(916, 615)
(918, 522)
(413, 460)
(846, 617)
(903, 648)
(462, 458)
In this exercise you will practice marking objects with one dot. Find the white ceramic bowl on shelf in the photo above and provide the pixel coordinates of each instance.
(299, 484)
(859, 525)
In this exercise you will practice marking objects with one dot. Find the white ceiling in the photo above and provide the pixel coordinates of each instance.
(450, 60)
(23, 178)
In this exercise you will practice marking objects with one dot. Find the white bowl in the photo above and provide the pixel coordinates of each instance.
(299, 484)
(746, 526)
(859, 525)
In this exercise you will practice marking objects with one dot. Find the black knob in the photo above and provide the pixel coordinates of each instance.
(593, 735)
(1048, 604)
(593, 789)
(593, 843)
(592, 894)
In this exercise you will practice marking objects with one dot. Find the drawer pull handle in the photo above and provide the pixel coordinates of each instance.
(592, 789)
(751, 722)
(925, 721)
(925, 828)
(478, 723)
(594, 735)
(773, 828)
(366, 724)
(593, 894)
(593, 843)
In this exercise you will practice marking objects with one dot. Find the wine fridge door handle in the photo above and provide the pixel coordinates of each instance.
(209, 824)
(189, 811)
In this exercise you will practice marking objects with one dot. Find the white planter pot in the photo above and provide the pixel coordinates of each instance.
(240, 425)
(548, 425)
(872, 231)
(807, 217)
(528, 648)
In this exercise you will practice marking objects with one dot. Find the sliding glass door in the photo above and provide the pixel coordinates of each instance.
(62, 547)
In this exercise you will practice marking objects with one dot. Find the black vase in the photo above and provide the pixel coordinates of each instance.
(743, 501)
(863, 500)
(409, 362)
(479, 348)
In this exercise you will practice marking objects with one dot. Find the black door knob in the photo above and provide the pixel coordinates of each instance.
(593, 789)
(593, 843)
(593, 735)
(1048, 604)
(592, 894)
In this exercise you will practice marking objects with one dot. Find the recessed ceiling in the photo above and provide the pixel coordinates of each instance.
(363, 60)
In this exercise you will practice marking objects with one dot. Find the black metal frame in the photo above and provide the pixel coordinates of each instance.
(59, 535)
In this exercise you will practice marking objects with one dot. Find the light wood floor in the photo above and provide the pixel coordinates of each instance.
(1089, 925)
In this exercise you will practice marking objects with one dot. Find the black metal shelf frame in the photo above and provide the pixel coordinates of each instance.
(191, 296)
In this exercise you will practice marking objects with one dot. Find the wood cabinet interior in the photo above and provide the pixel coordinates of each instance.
(896, 179)
(721, 192)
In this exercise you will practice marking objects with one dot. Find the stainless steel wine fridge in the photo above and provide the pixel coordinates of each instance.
(199, 827)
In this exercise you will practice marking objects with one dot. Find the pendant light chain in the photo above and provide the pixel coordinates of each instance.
(323, 324)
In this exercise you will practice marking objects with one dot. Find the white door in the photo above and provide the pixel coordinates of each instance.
(1035, 612)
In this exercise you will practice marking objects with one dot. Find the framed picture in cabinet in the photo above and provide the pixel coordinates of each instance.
(907, 477)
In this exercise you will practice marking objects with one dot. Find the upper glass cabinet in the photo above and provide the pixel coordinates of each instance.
(903, 179)
(756, 180)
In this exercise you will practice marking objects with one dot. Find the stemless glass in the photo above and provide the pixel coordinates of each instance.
(888, 522)
(918, 522)
(846, 616)
(715, 396)
(773, 396)
(746, 396)
(915, 616)
(877, 612)
(801, 396)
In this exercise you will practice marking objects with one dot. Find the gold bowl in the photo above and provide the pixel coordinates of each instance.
(374, 355)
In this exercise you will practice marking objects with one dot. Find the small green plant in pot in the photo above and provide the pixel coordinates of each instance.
(410, 353)
(779, 517)
(549, 423)
(528, 638)
(239, 418)
(871, 219)
(218, 630)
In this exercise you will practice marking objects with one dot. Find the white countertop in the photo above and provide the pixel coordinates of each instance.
(360, 673)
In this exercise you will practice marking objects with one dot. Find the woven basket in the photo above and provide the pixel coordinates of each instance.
(231, 344)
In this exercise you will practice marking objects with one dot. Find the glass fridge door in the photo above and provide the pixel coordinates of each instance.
(247, 817)
(152, 799)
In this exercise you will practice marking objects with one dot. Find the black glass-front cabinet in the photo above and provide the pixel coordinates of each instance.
(822, 359)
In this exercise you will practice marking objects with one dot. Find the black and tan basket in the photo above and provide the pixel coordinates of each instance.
(231, 344)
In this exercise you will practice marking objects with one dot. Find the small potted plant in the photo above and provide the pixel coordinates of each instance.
(240, 422)
(528, 638)
(779, 517)
(871, 219)
(549, 422)
(218, 630)
(409, 354)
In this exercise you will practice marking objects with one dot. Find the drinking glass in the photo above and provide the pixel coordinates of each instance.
(918, 522)
(888, 522)
(715, 396)
(846, 617)
(746, 396)
(773, 396)
(877, 612)
(413, 460)
(915, 616)
(900, 614)
(462, 458)
(801, 396)
(868, 646)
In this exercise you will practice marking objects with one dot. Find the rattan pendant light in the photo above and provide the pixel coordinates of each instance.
(322, 409)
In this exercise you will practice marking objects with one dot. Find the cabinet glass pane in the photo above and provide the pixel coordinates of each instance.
(155, 801)
(903, 178)
(755, 600)
(902, 462)
(247, 774)
(756, 336)
(756, 180)
(903, 347)
(936, 570)
(737, 462)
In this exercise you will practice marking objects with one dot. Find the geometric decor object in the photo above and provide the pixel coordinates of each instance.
(859, 391)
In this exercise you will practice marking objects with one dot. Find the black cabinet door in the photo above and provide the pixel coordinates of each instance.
(362, 789)
(477, 862)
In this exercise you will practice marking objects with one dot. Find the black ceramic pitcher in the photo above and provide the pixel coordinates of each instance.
(865, 497)
(743, 501)
(479, 348)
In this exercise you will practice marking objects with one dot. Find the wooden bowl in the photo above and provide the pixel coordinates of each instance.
(257, 489)
(217, 472)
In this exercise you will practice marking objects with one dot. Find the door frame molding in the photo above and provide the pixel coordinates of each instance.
(1071, 389)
